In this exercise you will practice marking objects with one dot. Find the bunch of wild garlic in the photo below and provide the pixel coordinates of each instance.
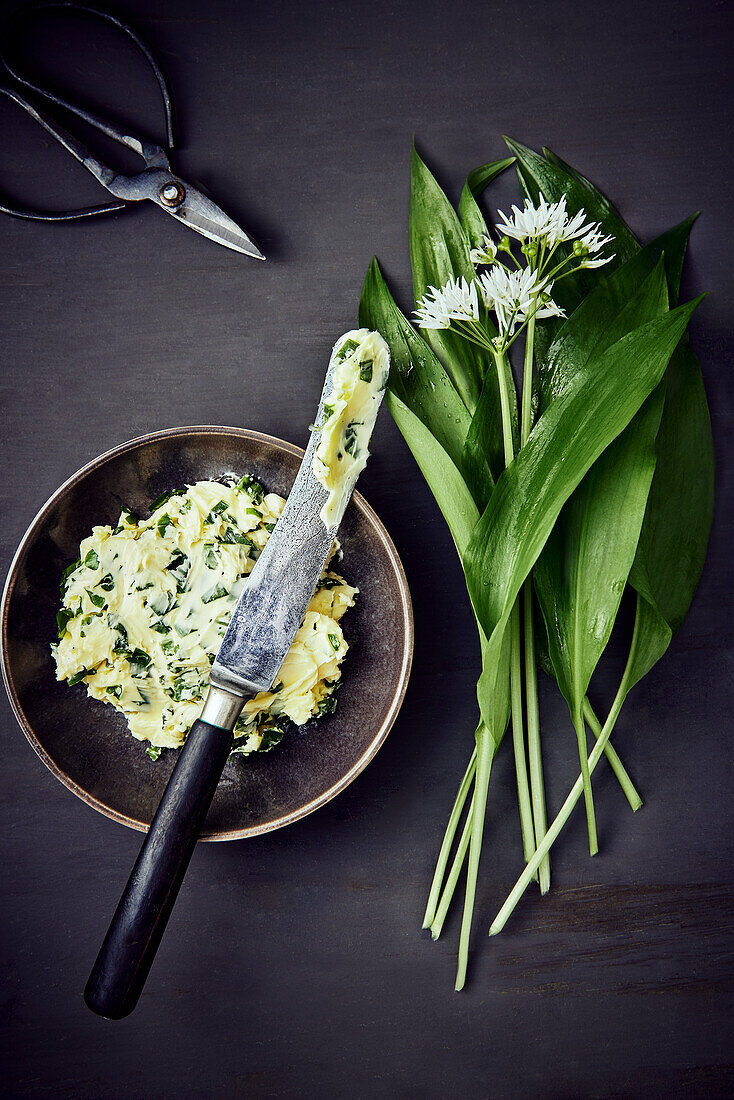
(566, 500)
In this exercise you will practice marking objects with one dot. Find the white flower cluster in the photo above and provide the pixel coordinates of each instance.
(550, 224)
(455, 301)
(515, 296)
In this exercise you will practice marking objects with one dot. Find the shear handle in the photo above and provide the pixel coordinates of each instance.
(150, 152)
(82, 154)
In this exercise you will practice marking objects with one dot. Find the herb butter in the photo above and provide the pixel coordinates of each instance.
(145, 608)
(361, 366)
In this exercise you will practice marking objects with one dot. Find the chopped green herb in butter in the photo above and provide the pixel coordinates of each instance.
(143, 636)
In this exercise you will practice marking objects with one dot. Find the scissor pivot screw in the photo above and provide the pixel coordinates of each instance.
(172, 194)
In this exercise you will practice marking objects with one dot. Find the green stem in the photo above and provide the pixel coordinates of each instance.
(535, 758)
(485, 752)
(501, 364)
(518, 737)
(450, 887)
(586, 780)
(527, 383)
(576, 791)
(615, 763)
(448, 839)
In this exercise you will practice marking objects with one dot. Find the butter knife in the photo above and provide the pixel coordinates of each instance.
(263, 625)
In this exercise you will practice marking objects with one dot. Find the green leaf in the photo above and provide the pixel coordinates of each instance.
(215, 593)
(610, 310)
(553, 180)
(79, 676)
(581, 573)
(97, 600)
(575, 429)
(164, 522)
(327, 705)
(67, 573)
(672, 545)
(63, 618)
(139, 660)
(444, 480)
(230, 537)
(416, 377)
(472, 219)
(179, 567)
(248, 485)
(672, 243)
(272, 736)
(583, 569)
(439, 251)
(91, 560)
(461, 515)
(163, 498)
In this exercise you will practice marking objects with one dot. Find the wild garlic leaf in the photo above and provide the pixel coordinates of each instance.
(604, 315)
(461, 514)
(416, 376)
(553, 180)
(575, 429)
(438, 251)
(443, 478)
(581, 574)
(674, 537)
(583, 568)
(549, 176)
(472, 219)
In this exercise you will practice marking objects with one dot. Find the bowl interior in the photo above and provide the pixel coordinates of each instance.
(87, 745)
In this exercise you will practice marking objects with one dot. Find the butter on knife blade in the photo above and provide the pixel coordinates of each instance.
(358, 370)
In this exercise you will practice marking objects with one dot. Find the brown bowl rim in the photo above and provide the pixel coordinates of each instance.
(406, 608)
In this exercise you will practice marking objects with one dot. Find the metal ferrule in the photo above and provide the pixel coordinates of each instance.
(222, 708)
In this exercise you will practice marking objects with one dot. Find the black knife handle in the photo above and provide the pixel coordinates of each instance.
(119, 974)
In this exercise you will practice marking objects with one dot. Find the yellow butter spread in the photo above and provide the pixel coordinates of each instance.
(145, 608)
(361, 362)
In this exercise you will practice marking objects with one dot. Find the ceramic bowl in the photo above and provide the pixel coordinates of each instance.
(86, 744)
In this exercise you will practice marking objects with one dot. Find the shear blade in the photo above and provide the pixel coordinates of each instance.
(205, 217)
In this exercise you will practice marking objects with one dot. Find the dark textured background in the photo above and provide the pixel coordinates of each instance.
(294, 965)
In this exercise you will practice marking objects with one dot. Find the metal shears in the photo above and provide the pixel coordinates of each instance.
(156, 182)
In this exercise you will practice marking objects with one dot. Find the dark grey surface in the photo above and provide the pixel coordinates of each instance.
(294, 965)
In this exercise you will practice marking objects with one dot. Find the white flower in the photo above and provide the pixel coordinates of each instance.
(546, 307)
(534, 222)
(485, 254)
(550, 223)
(592, 242)
(515, 296)
(455, 301)
(509, 294)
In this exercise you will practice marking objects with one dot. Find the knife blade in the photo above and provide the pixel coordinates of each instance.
(278, 590)
(263, 624)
